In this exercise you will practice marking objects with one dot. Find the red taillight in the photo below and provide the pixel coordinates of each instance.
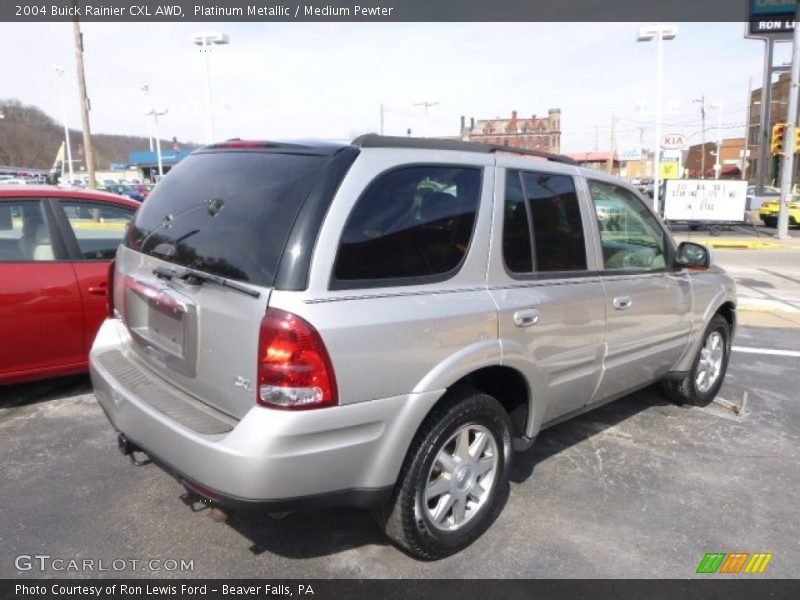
(294, 369)
(110, 290)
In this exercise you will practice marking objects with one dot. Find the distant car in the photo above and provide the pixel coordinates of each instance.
(769, 211)
(129, 191)
(146, 188)
(55, 248)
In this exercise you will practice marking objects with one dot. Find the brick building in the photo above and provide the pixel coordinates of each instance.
(730, 160)
(535, 133)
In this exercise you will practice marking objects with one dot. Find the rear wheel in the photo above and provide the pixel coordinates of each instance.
(454, 481)
(703, 381)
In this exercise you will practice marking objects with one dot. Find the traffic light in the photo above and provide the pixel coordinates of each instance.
(796, 140)
(778, 138)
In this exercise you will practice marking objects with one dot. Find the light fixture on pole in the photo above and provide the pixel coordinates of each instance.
(155, 113)
(205, 40)
(60, 72)
(647, 34)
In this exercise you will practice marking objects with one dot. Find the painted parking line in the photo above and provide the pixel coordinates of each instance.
(769, 351)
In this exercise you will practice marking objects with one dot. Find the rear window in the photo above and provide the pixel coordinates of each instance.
(226, 213)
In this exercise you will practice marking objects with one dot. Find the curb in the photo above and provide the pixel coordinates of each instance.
(742, 244)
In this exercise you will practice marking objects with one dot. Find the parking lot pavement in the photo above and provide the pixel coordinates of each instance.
(637, 488)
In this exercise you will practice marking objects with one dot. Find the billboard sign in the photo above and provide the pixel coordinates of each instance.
(771, 18)
(705, 200)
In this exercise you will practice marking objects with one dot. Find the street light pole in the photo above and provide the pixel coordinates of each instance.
(660, 33)
(146, 91)
(60, 72)
(205, 40)
(155, 114)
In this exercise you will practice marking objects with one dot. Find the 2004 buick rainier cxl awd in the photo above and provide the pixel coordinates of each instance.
(381, 324)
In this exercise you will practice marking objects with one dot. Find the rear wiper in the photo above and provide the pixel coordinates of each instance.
(194, 277)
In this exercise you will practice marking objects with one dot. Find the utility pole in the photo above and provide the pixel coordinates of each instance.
(85, 107)
(381, 118)
(718, 163)
(787, 169)
(702, 101)
(596, 137)
(426, 105)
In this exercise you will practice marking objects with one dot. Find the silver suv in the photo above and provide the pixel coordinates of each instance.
(381, 324)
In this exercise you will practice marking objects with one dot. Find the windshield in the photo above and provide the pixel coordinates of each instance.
(226, 213)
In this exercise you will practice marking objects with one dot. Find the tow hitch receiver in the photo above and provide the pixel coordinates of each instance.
(128, 448)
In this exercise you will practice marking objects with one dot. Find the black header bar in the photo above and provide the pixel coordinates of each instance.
(376, 11)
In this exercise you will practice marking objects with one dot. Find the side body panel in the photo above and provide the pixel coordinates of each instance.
(561, 354)
(648, 316)
(41, 319)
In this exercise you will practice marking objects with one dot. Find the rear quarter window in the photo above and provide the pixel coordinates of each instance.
(412, 225)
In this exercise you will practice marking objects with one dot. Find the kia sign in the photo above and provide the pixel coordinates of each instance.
(673, 141)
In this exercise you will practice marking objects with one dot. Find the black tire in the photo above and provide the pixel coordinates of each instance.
(405, 519)
(686, 391)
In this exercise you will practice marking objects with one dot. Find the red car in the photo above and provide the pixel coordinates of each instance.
(55, 249)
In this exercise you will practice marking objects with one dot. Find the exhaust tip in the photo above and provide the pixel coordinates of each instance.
(123, 445)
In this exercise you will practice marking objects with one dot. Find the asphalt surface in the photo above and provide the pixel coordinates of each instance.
(638, 488)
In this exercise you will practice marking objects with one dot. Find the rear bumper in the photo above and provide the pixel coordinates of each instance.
(347, 455)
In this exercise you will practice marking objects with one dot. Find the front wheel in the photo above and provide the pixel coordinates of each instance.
(454, 481)
(704, 380)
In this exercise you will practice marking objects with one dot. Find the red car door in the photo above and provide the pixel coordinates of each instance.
(41, 317)
(95, 230)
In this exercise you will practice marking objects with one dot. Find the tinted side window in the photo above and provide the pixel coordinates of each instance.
(630, 236)
(24, 232)
(411, 223)
(556, 216)
(98, 229)
(516, 227)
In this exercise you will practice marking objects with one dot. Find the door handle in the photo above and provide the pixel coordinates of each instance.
(526, 318)
(622, 302)
(99, 290)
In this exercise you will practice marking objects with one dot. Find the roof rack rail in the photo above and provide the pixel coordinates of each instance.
(373, 140)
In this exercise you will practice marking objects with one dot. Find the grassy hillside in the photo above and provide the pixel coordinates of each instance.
(30, 138)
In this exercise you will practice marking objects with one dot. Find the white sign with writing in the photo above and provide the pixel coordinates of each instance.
(705, 200)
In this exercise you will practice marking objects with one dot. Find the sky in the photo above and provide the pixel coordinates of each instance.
(329, 80)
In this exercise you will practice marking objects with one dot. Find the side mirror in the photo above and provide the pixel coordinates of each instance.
(693, 256)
